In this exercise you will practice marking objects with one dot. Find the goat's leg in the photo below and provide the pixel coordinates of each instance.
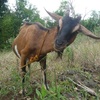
(29, 69)
(23, 81)
(23, 72)
(43, 68)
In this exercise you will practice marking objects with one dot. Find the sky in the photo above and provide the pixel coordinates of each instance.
(81, 6)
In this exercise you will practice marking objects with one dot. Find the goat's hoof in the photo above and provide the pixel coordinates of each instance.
(46, 87)
(21, 92)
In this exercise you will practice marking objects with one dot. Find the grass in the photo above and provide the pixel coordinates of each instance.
(80, 62)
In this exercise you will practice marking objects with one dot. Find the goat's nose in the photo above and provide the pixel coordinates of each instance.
(59, 42)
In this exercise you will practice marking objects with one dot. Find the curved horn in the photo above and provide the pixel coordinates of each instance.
(54, 16)
(87, 32)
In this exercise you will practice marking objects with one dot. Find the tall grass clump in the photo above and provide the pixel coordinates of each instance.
(87, 52)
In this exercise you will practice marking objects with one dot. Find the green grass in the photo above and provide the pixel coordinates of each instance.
(80, 63)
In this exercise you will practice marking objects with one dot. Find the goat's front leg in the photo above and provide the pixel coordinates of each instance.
(43, 68)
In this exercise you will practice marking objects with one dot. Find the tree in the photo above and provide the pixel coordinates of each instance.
(93, 21)
(3, 8)
(25, 11)
(62, 8)
(13, 19)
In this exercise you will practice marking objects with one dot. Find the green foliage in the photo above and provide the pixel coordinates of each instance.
(3, 8)
(70, 54)
(10, 87)
(12, 20)
(53, 94)
(61, 10)
(9, 29)
(92, 22)
(42, 93)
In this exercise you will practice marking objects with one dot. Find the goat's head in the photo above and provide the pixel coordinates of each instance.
(68, 26)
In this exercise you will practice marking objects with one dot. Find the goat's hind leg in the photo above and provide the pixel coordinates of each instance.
(23, 80)
(23, 72)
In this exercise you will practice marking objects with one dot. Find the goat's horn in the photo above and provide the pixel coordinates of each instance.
(54, 16)
(87, 32)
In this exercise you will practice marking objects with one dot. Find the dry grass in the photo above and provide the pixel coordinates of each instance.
(7, 62)
(83, 57)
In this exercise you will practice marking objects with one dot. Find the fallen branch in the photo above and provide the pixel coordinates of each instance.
(79, 84)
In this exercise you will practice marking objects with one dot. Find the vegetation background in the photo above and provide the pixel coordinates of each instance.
(80, 61)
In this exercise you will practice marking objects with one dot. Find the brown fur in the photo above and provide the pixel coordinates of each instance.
(30, 39)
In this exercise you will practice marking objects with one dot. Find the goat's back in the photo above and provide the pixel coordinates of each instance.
(29, 37)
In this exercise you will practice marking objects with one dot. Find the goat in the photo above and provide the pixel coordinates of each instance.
(34, 41)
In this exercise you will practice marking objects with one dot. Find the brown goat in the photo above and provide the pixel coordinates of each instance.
(34, 41)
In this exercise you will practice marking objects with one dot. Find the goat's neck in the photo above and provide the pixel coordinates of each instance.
(49, 40)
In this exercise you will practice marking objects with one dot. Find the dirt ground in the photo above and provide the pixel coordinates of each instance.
(92, 82)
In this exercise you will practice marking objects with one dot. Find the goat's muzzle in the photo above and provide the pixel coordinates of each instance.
(59, 45)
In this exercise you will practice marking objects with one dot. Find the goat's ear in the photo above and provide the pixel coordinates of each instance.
(60, 23)
(54, 16)
(87, 32)
(76, 28)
